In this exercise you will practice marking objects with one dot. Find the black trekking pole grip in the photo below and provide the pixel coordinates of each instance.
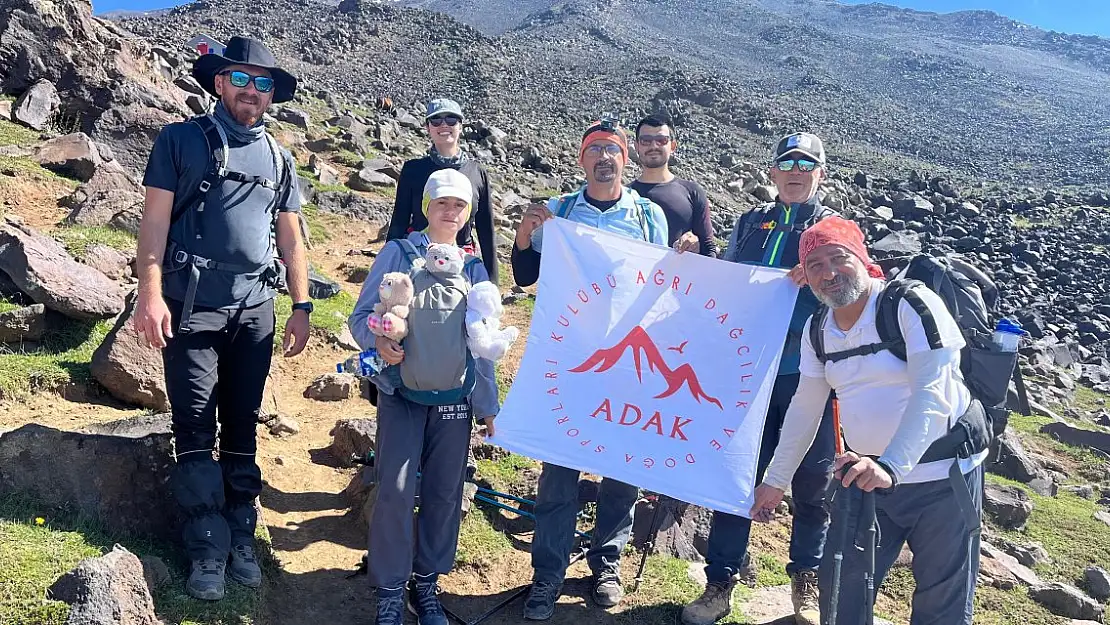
(839, 537)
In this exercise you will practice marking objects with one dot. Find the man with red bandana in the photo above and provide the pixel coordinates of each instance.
(604, 203)
(892, 412)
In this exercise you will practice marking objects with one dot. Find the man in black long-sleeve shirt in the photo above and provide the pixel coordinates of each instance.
(683, 201)
(444, 123)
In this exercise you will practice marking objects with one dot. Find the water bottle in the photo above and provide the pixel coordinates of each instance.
(364, 364)
(1007, 335)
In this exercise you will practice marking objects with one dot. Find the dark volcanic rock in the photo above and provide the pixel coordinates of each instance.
(109, 590)
(117, 474)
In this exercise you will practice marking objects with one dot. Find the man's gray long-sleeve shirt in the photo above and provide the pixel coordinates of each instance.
(484, 399)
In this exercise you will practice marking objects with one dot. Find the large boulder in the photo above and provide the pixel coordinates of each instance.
(96, 68)
(331, 387)
(129, 369)
(1012, 461)
(1067, 601)
(74, 155)
(109, 590)
(108, 261)
(1097, 582)
(111, 197)
(37, 105)
(1008, 506)
(40, 267)
(116, 474)
(23, 324)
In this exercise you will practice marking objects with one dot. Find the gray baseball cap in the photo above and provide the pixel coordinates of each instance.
(444, 106)
(802, 142)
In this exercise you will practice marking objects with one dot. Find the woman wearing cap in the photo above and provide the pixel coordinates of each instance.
(432, 438)
(444, 121)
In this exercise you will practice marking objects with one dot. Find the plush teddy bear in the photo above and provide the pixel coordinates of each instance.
(484, 334)
(443, 259)
(388, 318)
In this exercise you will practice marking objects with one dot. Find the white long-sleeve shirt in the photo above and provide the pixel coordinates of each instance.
(888, 408)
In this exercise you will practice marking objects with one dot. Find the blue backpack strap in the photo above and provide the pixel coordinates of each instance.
(648, 219)
(565, 204)
(410, 251)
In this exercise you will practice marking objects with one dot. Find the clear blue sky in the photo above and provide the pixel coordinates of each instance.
(1088, 17)
(1083, 17)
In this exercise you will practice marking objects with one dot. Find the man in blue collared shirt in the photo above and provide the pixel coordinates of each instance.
(604, 203)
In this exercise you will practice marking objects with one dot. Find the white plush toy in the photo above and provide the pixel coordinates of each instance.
(484, 334)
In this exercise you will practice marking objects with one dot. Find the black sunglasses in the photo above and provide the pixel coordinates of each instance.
(264, 84)
(450, 120)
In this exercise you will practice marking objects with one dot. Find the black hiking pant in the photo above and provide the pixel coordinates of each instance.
(216, 373)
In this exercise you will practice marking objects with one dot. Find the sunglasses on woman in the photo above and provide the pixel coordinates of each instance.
(263, 84)
(804, 164)
(450, 120)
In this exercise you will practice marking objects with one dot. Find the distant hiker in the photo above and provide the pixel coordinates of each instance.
(892, 412)
(606, 204)
(221, 203)
(444, 122)
(683, 201)
(424, 424)
(769, 236)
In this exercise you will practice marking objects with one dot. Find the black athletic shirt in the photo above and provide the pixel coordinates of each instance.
(687, 210)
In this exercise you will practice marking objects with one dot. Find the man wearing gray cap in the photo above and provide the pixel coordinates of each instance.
(769, 236)
(444, 122)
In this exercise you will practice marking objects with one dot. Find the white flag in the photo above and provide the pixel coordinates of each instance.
(647, 366)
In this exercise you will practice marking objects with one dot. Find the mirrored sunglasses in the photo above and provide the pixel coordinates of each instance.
(804, 164)
(263, 84)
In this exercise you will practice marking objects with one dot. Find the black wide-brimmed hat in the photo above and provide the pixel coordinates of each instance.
(244, 51)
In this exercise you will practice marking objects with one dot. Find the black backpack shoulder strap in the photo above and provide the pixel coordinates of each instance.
(817, 333)
(216, 141)
(886, 317)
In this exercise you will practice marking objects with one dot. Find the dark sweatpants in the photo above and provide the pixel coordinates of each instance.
(433, 440)
(217, 370)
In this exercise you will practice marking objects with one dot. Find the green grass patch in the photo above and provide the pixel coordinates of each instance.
(1090, 467)
(5, 305)
(339, 188)
(348, 158)
(770, 571)
(1005, 607)
(505, 473)
(27, 169)
(1067, 528)
(317, 231)
(1090, 400)
(328, 314)
(12, 133)
(62, 358)
(78, 239)
(479, 542)
(35, 555)
(666, 587)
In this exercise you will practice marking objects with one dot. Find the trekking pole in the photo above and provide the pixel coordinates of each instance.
(868, 517)
(840, 536)
(836, 426)
(649, 545)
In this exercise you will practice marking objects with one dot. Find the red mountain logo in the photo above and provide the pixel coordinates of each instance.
(639, 341)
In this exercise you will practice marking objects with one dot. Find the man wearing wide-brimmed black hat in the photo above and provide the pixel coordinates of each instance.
(219, 236)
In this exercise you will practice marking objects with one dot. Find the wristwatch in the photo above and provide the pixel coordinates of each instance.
(305, 306)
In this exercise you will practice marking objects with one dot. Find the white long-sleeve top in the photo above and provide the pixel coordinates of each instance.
(888, 408)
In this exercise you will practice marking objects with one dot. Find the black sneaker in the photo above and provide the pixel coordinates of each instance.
(391, 606)
(424, 602)
(244, 567)
(608, 591)
(541, 601)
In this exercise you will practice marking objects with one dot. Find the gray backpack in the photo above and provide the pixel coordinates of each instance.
(438, 367)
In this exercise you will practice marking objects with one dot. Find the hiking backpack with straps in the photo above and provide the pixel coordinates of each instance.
(643, 213)
(754, 221)
(972, 299)
(177, 256)
(428, 375)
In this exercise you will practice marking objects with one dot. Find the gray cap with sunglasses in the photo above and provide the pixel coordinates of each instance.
(802, 143)
(444, 107)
